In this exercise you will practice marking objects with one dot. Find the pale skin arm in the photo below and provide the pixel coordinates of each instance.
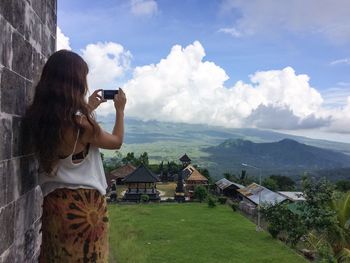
(106, 140)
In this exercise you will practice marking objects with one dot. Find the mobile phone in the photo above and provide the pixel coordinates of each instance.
(109, 94)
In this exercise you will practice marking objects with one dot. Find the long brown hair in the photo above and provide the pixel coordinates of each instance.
(59, 95)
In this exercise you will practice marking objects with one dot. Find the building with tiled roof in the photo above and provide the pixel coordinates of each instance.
(193, 178)
(119, 174)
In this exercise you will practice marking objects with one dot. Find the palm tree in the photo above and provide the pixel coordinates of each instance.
(339, 238)
(336, 240)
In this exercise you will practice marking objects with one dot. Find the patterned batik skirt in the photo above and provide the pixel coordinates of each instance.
(74, 227)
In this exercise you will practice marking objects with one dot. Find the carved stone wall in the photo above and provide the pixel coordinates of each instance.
(27, 38)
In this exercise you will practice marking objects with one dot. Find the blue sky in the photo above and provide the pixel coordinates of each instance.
(239, 37)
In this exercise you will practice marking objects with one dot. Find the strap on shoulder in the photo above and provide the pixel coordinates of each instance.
(76, 139)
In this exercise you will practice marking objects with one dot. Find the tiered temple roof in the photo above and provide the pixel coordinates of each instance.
(141, 175)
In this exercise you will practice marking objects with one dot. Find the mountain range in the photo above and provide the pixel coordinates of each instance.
(224, 149)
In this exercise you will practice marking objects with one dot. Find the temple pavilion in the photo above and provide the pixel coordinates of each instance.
(141, 182)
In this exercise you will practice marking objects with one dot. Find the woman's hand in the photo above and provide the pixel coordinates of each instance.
(120, 101)
(95, 100)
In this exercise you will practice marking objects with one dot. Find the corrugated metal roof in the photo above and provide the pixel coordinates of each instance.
(267, 196)
(224, 183)
(294, 196)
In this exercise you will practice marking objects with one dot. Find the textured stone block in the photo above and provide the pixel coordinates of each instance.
(7, 185)
(13, 11)
(17, 137)
(22, 61)
(5, 43)
(32, 28)
(30, 92)
(38, 64)
(6, 137)
(48, 42)
(51, 17)
(20, 137)
(12, 93)
(9, 256)
(3, 186)
(27, 174)
(7, 214)
(25, 217)
(27, 222)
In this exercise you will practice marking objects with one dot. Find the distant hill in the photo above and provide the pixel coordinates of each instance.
(168, 141)
(286, 156)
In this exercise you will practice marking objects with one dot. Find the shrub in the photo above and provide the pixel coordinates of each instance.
(200, 193)
(273, 231)
(211, 202)
(234, 207)
(222, 200)
(144, 198)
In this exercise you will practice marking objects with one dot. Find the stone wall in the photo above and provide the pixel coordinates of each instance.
(27, 38)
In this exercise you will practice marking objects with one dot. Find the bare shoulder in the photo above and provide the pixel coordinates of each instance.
(88, 129)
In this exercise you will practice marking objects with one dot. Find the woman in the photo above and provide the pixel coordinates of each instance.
(66, 140)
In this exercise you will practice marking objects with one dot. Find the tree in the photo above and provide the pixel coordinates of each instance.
(130, 158)
(343, 185)
(284, 183)
(316, 210)
(229, 176)
(270, 184)
(143, 159)
(282, 220)
(200, 193)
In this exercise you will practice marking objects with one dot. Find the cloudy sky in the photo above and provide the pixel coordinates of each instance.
(280, 65)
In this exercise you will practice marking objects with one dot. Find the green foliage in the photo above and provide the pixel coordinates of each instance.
(130, 158)
(112, 163)
(173, 167)
(200, 193)
(282, 220)
(234, 207)
(343, 185)
(144, 198)
(279, 183)
(273, 231)
(211, 201)
(270, 184)
(222, 200)
(229, 176)
(316, 212)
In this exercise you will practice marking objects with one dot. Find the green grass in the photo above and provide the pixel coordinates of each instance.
(182, 233)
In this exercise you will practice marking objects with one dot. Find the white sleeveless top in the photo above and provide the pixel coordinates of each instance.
(88, 173)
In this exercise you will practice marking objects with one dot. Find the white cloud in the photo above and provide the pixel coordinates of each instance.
(326, 17)
(231, 31)
(62, 41)
(183, 87)
(108, 63)
(144, 7)
(341, 119)
(345, 61)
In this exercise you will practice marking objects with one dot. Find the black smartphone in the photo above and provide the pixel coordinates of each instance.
(109, 94)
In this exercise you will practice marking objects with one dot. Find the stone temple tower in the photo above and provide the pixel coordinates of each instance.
(27, 39)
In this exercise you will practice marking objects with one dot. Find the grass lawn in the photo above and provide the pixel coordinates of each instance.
(182, 233)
